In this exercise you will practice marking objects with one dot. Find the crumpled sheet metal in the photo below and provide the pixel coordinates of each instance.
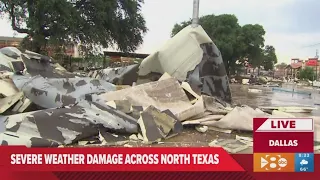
(191, 55)
(33, 63)
(10, 64)
(37, 64)
(194, 110)
(121, 105)
(9, 101)
(12, 52)
(121, 75)
(240, 118)
(11, 57)
(41, 92)
(203, 120)
(5, 63)
(13, 139)
(163, 95)
(210, 75)
(110, 118)
(60, 126)
(34, 55)
(110, 139)
(51, 93)
(78, 87)
(178, 56)
(7, 87)
(215, 105)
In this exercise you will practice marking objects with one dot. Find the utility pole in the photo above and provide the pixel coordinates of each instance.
(317, 56)
(195, 16)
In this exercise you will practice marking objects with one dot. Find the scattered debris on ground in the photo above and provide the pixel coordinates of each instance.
(230, 145)
(255, 90)
(202, 129)
(291, 109)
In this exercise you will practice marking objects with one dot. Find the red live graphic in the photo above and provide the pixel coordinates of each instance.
(283, 124)
(283, 135)
(116, 159)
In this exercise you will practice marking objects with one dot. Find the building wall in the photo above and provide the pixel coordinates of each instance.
(9, 41)
(71, 50)
(279, 73)
(304, 64)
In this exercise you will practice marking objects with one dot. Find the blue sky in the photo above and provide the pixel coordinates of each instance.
(290, 25)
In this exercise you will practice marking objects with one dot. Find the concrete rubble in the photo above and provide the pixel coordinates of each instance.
(156, 125)
(44, 105)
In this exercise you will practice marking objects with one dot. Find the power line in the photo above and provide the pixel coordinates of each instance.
(311, 45)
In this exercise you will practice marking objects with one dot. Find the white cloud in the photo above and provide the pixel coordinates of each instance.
(162, 15)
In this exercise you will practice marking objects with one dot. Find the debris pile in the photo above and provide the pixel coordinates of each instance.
(126, 75)
(43, 105)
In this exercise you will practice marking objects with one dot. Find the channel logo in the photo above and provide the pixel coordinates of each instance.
(274, 162)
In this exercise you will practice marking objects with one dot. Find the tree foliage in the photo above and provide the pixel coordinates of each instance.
(269, 57)
(89, 22)
(281, 66)
(253, 41)
(307, 73)
(235, 42)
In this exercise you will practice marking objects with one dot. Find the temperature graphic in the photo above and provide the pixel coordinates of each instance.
(304, 162)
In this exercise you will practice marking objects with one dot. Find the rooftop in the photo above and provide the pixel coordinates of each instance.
(123, 54)
(6, 38)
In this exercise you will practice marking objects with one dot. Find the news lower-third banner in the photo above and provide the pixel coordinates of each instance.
(136, 163)
(282, 148)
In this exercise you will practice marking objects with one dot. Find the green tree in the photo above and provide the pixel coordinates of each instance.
(253, 40)
(269, 57)
(281, 66)
(307, 73)
(92, 23)
(234, 42)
